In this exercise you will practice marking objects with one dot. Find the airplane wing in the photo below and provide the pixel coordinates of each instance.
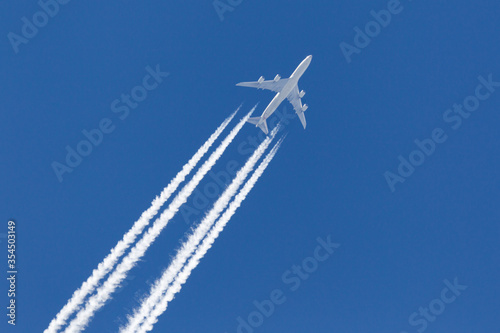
(272, 85)
(296, 102)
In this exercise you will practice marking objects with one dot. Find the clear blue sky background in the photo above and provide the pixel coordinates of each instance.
(396, 248)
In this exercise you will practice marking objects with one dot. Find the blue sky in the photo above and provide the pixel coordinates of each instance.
(397, 244)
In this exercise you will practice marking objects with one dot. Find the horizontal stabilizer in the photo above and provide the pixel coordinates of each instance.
(254, 120)
(263, 126)
(258, 121)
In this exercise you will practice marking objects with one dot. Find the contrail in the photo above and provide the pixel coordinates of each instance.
(158, 289)
(161, 306)
(110, 260)
(104, 292)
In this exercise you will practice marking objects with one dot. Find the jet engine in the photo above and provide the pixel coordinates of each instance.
(302, 94)
(277, 78)
(261, 79)
(304, 107)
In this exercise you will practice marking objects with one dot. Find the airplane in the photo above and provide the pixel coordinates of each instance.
(285, 88)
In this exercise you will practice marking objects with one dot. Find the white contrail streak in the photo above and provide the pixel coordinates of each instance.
(110, 260)
(161, 306)
(158, 289)
(104, 292)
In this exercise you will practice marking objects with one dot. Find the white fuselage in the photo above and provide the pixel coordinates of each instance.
(287, 89)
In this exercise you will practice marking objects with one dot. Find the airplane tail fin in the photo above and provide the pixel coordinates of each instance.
(258, 121)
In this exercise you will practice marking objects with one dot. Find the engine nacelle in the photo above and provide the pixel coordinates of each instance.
(302, 94)
(277, 78)
(305, 107)
(261, 79)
